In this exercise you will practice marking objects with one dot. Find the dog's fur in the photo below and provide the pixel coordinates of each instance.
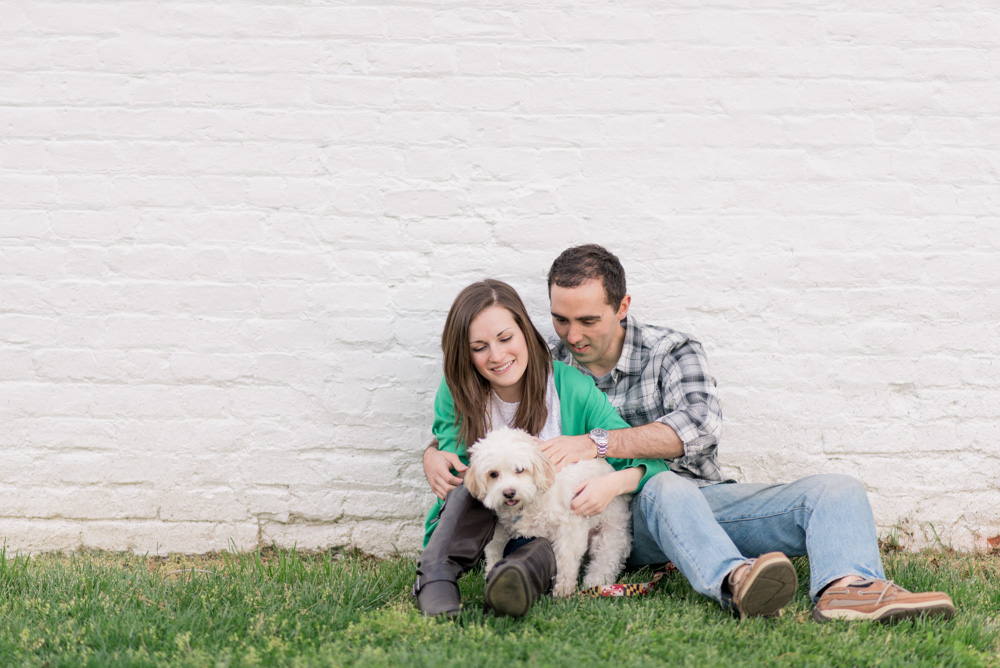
(510, 474)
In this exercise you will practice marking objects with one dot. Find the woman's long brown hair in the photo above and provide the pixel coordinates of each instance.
(469, 390)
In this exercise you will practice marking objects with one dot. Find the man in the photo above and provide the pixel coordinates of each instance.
(729, 539)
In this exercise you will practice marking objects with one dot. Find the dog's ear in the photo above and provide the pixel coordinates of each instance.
(545, 470)
(474, 482)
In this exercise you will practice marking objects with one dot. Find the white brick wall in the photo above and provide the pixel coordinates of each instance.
(230, 231)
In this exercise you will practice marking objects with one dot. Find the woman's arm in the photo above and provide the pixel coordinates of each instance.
(593, 496)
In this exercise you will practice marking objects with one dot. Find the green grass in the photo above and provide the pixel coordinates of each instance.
(288, 608)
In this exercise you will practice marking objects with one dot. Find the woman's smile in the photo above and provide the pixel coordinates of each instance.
(499, 351)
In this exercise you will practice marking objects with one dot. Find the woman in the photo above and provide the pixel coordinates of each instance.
(497, 372)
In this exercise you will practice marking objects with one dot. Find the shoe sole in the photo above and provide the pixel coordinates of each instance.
(889, 613)
(507, 591)
(770, 587)
(450, 613)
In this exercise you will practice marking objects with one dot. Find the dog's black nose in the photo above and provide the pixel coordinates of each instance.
(509, 493)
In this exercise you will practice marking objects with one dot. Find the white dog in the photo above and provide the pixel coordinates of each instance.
(510, 474)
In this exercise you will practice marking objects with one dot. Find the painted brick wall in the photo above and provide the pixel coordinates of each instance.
(230, 231)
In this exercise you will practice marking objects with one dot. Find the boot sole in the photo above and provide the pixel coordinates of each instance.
(507, 591)
(771, 587)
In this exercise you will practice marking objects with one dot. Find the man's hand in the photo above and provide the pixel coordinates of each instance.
(565, 450)
(437, 468)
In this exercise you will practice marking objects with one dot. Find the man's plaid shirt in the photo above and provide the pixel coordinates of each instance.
(662, 375)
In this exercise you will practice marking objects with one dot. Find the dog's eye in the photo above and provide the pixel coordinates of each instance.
(519, 470)
(494, 474)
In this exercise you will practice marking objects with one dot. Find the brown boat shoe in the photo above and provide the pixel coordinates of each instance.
(880, 601)
(763, 586)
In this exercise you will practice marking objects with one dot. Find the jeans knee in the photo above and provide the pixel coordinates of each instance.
(668, 490)
(839, 488)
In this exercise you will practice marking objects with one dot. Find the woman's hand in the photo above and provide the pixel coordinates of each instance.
(437, 468)
(593, 496)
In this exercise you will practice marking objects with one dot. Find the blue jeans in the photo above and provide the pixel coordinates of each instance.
(708, 531)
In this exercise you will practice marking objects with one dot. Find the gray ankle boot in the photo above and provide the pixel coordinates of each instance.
(520, 579)
(464, 528)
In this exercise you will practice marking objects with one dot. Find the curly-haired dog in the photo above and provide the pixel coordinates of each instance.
(510, 474)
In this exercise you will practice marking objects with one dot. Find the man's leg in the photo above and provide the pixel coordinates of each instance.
(826, 517)
(671, 520)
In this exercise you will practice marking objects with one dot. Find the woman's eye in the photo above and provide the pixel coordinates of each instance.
(478, 350)
(506, 340)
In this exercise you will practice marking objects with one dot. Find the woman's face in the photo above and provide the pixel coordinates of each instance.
(499, 351)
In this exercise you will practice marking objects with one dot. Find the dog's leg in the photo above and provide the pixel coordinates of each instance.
(608, 550)
(609, 547)
(570, 545)
(494, 550)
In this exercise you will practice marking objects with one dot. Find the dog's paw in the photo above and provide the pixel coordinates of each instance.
(597, 580)
(563, 590)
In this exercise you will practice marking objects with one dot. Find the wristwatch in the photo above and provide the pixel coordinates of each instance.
(600, 437)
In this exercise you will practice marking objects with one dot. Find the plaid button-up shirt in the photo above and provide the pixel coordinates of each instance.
(662, 375)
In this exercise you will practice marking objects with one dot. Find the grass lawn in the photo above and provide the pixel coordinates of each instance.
(282, 607)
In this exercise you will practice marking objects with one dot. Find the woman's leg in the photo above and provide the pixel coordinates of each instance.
(464, 528)
(522, 577)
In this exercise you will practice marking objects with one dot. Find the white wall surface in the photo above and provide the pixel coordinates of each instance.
(230, 232)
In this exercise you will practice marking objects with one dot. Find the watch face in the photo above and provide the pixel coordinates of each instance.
(600, 436)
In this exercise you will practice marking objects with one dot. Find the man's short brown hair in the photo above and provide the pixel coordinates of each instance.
(583, 263)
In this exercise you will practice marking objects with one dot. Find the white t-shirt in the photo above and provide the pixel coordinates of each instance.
(502, 413)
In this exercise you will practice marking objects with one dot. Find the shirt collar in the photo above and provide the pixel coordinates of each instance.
(630, 361)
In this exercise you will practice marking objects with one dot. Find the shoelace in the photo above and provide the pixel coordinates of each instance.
(885, 590)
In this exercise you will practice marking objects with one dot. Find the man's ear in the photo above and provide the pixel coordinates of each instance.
(623, 307)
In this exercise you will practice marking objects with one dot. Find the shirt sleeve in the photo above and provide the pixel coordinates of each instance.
(691, 402)
(445, 428)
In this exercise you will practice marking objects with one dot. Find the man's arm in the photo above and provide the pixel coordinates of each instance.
(651, 441)
(690, 408)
